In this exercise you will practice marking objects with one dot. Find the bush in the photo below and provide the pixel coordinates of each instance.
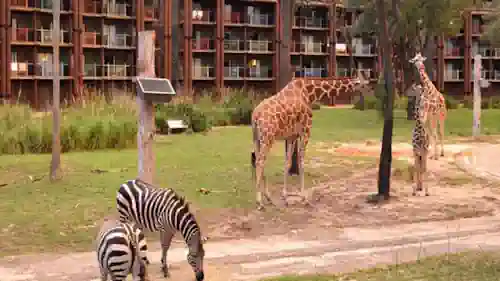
(451, 102)
(102, 126)
(316, 106)
(367, 102)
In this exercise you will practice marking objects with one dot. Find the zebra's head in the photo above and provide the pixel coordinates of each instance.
(196, 255)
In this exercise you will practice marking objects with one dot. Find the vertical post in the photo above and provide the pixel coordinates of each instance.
(476, 122)
(3, 43)
(56, 126)
(145, 134)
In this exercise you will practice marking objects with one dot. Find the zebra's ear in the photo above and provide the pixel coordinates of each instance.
(204, 239)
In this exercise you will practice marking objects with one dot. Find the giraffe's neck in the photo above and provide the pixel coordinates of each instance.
(315, 90)
(426, 81)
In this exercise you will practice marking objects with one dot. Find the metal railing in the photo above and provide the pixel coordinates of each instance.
(313, 47)
(368, 72)
(23, 34)
(234, 45)
(452, 52)
(343, 72)
(22, 69)
(314, 72)
(203, 71)
(453, 75)
(364, 50)
(44, 4)
(45, 36)
(260, 19)
(203, 16)
(259, 72)
(259, 46)
(310, 22)
(108, 70)
(150, 13)
(234, 72)
(92, 38)
(234, 18)
(92, 7)
(496, 75)
(203, 44)
(118, 9)
(122, 40)
(46, 69)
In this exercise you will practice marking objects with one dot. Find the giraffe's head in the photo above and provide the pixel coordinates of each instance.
(316, 89)
(418, 60)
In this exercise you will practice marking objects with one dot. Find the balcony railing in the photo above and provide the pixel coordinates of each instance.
(235, 72)
(262, 19)
(311, 72)
(496, 75)
(92, 7)
(368, 72)
(343, 72)
(364, 50)
(119, 41)
(203, 16)
(313, 47)
(310, 22)
(91, 39)
(44, 36)
(234, 45)
(118, 10)
(453, 52)
(22, 69)
(203, 44)
(23, 34)
(46, 69)
(203, 72)
(259, 72)
(108, 70)
(46, 4)
(454, 75)
(259, 46)
(150, 13)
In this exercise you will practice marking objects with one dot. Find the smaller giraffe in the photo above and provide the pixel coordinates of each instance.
(288, 116)
(420, 144)
(432, 105)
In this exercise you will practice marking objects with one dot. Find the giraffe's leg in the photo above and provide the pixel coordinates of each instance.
(302, 152)
(441, 132)
(416, 158)
(424, 171)
(259, 172)
(420, 171)
(289, 145)
(434, 136)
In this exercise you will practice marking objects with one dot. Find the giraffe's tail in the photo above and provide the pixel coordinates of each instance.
(256, 141)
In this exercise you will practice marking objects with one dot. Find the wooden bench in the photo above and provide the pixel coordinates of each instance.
(178, 125)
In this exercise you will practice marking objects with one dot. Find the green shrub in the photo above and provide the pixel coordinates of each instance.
(316, 106)
(239, 106)
(468, 102)
(494, 102)
(451, 102)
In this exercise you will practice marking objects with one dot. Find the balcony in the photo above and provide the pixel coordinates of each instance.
(203, 17)
(259, 73)
(260, 20)
(92, 7)
(92, 70)
(343, 72)
(364, 50)
(118, 71)
(311, 72)
(203, 45)
(118, 10)
(310, 23)
(150, 13)
(452, 52)
(22, 70)
(369, 73)
(46, 69)
(259, 46)
(453, 75)
(23, 35)
(44, 36)
(234, 72)
(43, 5)
(313, 48)
(203, 72)
(92, 39)
(234, 46)
(496, 75)
(233, 18)
(119, 41)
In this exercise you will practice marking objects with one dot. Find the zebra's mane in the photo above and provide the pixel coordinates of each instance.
(182, 199)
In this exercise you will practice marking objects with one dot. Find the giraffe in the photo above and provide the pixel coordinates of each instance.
(288, 116)
(432, 105)
(420, 144)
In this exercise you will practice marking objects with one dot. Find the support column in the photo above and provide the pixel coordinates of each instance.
(332, 28)
(440, 63)
(76, 63)
(166, 22)
(3, 46)
(284, 8)
(467, 54)
(278, 84)
(219, 47)
(188, 60)
(8, 51)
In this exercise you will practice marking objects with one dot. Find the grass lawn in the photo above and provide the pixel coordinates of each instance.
(468, 266)
(39, 216)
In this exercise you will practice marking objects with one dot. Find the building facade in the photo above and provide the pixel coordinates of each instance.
(204, 45)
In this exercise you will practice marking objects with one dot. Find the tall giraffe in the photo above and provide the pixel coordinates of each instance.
(432, 105)
(420, 144)
(288, 116)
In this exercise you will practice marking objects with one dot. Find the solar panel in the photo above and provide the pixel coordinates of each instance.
(155, 89)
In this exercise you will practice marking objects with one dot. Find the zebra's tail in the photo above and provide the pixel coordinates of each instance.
(256, 141)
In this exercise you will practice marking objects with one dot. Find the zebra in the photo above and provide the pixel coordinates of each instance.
(156, 209)
(121, 249)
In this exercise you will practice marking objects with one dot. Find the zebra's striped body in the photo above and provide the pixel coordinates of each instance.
(163, 210)
(121, 249)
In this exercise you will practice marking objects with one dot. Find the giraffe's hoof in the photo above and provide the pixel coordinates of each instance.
(442, 154)
(414, 194)
(419, 188)
(260, 207)
(427, 194)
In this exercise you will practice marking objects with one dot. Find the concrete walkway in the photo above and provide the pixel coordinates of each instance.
(348, 249)
(482, 160)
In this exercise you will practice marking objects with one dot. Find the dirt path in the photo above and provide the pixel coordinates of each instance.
(345, 250)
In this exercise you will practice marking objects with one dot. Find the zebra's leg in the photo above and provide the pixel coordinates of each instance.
(165, 240)
(104, 274)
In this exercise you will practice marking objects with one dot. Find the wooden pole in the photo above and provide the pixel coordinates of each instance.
(145, 134)
(56, 132)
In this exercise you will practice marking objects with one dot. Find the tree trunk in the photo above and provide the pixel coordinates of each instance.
(384, 175)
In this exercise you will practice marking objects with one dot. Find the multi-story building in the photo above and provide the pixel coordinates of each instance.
(204, 45)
